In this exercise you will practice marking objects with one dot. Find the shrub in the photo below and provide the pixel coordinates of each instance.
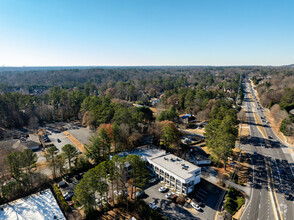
(234, 201)
(231, 205)
(181, 200)
(240, 202)
(61, 199)
(286, 127)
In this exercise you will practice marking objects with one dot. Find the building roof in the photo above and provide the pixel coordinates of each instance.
(30, 144)
(167, 161)
(34, 138)
(34, 207)
(186, 116)
(176, 165)
(145, 152)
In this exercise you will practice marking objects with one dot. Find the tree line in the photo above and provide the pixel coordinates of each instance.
(221, 132)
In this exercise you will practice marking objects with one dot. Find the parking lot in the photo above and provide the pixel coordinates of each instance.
(69, 186)
(205, 193)
(208, 194)
(58, 138)
(53, 139)
(166, 206)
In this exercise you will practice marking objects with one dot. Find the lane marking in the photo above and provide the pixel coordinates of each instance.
(270, 193)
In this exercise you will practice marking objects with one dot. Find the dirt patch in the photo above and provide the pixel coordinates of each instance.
(276, 128)
(239, 213)
(207, 151)
(156, 111)
(244, 132)
(197, 131)
(117, 213)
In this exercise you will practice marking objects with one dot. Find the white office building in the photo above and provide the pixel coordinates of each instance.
(177, 173)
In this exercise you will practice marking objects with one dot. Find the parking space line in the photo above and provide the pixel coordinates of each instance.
(203, 191)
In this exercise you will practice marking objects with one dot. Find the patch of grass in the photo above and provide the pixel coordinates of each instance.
(234, 201)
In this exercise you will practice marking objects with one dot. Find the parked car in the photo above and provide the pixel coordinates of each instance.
(58, 140)
(69, 195)
(170, 194)
(140, 194)
(62, 184)
(67, 179)
(195, 206)
(65, 194)
(162, 189)
(173, 197)
(153, 206)
(153, 180)
(187, 141)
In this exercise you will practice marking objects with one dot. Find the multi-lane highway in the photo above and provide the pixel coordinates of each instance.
(271, 167)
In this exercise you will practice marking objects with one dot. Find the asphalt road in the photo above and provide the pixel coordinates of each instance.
(268, 186)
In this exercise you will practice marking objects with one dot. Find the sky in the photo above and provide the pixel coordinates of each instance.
(146, 32)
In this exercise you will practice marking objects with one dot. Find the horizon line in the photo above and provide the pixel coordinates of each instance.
(192, 65)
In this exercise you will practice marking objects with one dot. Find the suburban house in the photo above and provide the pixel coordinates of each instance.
(175, 172)
(188, 118)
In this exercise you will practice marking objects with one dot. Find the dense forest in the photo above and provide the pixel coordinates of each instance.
(103, 95)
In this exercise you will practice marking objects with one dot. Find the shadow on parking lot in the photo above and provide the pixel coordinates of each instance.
(206, 193)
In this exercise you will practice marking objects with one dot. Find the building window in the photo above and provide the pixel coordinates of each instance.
(197, 172)
(191, 183)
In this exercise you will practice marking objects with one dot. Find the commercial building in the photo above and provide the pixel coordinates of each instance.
(177, 173)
